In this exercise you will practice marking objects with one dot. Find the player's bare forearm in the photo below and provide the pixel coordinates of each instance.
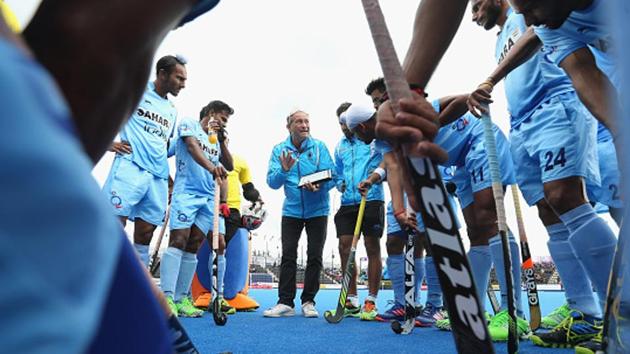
(524, 49)
(435, 26)
(226, 157)
(592, 86)
(394, 180)
(101, 65)
(197, 154)
(224, 190)
(451, 108)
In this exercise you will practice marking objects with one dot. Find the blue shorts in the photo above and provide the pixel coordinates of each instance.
(474, 176)
(188, 209)
(558, 141)
(136, 193)
(608, 192)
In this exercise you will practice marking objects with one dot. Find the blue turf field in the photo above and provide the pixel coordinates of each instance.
(252, 333)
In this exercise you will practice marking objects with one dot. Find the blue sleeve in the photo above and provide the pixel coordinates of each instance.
(276, 176)
(338, 171)
(199, 9)
(326, 163)
(436, 105)
(557, 47)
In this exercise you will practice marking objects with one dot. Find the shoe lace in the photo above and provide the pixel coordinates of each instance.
(500, 319)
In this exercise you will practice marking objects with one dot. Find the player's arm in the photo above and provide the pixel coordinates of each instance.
(226, 157)
(524, 49)
(101, 66)
(249, 191)
(377, 176)
(435, 26)
(452, 108)
(394, 179)
(192, 145)
(592, 86)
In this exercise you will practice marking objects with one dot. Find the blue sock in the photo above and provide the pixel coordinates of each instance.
(143, 253)
(577, 286)
(434, 290)
(480, 264)
(496, 250)
(169, 270)
(220, 273)
(419, 264)
(594, 245)
(395, 266)
(186, 274)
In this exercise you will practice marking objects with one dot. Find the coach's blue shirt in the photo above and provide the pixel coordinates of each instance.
(148, 131)
(191, 177)
(354, 162)
(532, 83)
(313, 156)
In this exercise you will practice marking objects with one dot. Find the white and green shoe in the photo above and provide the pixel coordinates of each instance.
(171, 305)
(499, 329)
(185, 308)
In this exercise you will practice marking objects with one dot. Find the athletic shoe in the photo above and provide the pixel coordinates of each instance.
(591, 346)
(368, 311)
(499, 327)
(445, 324)
(226, 308)
(571, 331)
(429, 315)
(171, 305)
(419, 309)
(350, 309)
(203, 301)
(185, 308)
(279, 310)
(555, 317)
(395, 312)
(308, 310)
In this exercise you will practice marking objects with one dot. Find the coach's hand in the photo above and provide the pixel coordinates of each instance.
(415, 126)
(287, 160)
(482, 95)
(121, 147)
(311, 187)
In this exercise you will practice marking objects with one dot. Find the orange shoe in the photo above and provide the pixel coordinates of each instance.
(203, 300)
(243, 302)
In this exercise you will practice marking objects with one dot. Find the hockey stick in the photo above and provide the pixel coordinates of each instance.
(464, 309)
(494, 302)
(217, 314)
(497, 190)
(181, 341)
(155, 262)
(527, 265)
(349, 271)
(617, 316)
(410, 288)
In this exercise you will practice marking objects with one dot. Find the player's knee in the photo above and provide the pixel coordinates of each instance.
(394, 245)
(194, 242)
(177, 240)
(372, 247)
(565, 195)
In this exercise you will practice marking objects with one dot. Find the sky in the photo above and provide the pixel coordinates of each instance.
(266, 58)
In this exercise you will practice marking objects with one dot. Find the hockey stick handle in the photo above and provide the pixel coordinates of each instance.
(357, 225)
(519, 214)
(158, 243)
(215, 219)
(495, 173)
